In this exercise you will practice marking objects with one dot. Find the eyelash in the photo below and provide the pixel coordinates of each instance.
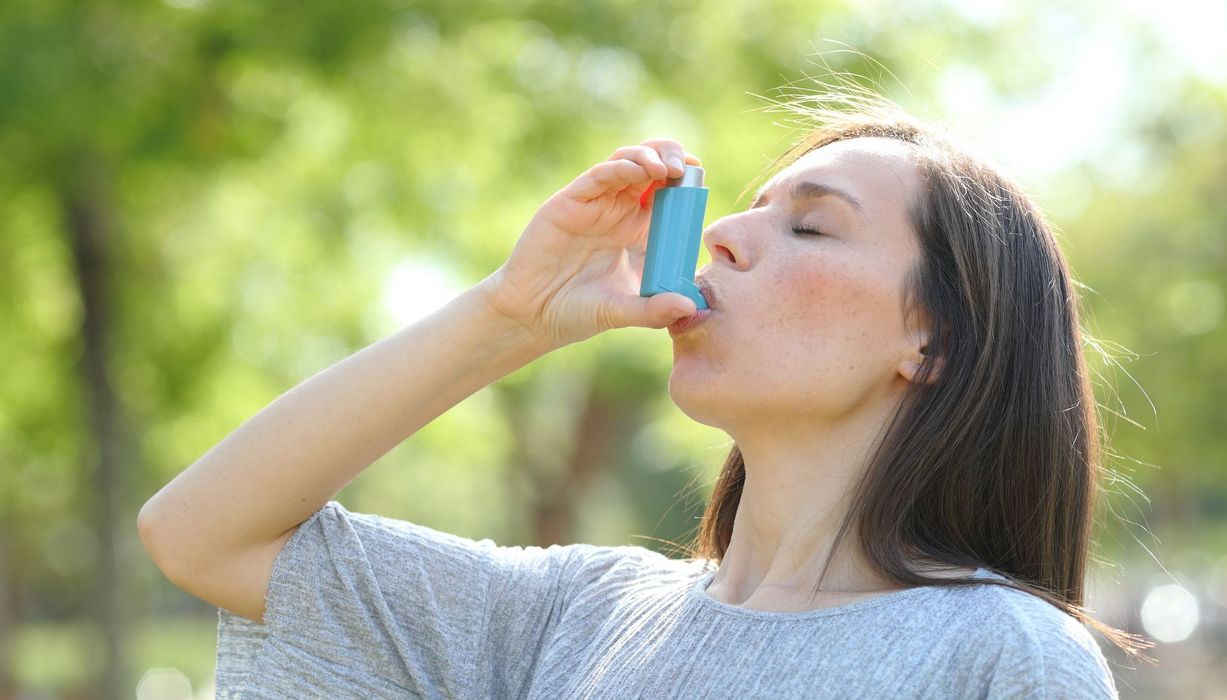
(804, 230)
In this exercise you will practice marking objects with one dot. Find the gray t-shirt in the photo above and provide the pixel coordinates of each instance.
(361, 606)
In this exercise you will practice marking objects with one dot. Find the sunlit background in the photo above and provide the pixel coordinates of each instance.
(204, 203)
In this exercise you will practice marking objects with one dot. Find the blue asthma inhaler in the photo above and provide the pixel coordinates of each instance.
(674, 236)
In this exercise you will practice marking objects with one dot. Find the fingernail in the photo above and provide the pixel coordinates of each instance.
(676, 163)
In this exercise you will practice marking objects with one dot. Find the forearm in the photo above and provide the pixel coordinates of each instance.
(288, 460)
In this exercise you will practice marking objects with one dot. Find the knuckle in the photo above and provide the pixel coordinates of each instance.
(629, 152)
(665, 146)
(659, 141)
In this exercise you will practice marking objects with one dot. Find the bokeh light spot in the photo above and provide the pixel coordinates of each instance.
(1169, 613)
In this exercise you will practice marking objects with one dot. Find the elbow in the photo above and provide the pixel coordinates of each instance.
(147, 529)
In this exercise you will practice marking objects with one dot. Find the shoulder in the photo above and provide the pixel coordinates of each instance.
(603, 572)
(1035, 645)
(622, 563)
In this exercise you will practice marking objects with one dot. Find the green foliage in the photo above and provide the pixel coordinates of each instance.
(264, 170)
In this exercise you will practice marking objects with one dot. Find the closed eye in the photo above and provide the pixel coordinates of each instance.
(806, 230)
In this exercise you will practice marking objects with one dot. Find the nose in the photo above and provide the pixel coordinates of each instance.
(724, 244)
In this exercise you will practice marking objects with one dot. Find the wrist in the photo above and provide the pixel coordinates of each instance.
(507, 330)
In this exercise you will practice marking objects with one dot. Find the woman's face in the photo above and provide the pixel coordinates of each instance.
(806, 326)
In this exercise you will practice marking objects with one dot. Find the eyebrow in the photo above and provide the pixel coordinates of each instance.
(812, 190)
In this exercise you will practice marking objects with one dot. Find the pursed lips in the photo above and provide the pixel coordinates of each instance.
(709, 294)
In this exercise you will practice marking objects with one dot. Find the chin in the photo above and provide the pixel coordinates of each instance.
(696, 393)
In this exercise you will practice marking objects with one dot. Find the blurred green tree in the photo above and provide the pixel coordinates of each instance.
(204, 203)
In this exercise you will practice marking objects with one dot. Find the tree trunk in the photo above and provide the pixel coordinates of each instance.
(550, 492)
(87, 218)
(599, 433)
(8, 578)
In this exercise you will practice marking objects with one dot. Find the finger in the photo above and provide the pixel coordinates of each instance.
(645, 199)
(672, 153)
(610, 176)
(656, 311)
(649, 158)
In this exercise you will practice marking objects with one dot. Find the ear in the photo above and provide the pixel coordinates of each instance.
(914, 357)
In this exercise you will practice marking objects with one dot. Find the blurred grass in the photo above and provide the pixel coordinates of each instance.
(60, 659)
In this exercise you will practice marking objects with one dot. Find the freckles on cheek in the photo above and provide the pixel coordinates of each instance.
(810, 288)
(846, 309)
(833, 298)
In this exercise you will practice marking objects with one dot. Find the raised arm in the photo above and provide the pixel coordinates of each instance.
(217, 527)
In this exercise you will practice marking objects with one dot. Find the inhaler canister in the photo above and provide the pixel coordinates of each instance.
(674, 236)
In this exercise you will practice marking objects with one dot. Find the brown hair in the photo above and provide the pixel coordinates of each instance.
(996, 463)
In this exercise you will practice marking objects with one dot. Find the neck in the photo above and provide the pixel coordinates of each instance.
(792, 503)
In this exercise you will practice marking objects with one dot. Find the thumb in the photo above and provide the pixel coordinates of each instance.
(656, 311)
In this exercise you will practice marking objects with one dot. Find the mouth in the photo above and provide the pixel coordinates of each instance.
(705, 288)
(687, 322)
(684, 324)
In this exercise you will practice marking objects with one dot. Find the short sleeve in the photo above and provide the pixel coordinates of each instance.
(1051, 655)
(365, 606)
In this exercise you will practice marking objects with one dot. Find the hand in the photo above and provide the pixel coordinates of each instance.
(578, 265)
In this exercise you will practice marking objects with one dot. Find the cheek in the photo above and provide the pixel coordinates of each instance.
(844, 311)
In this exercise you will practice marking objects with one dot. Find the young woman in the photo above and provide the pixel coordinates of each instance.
(894, 348)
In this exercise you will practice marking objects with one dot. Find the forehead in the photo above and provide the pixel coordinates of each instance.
(880, 172)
